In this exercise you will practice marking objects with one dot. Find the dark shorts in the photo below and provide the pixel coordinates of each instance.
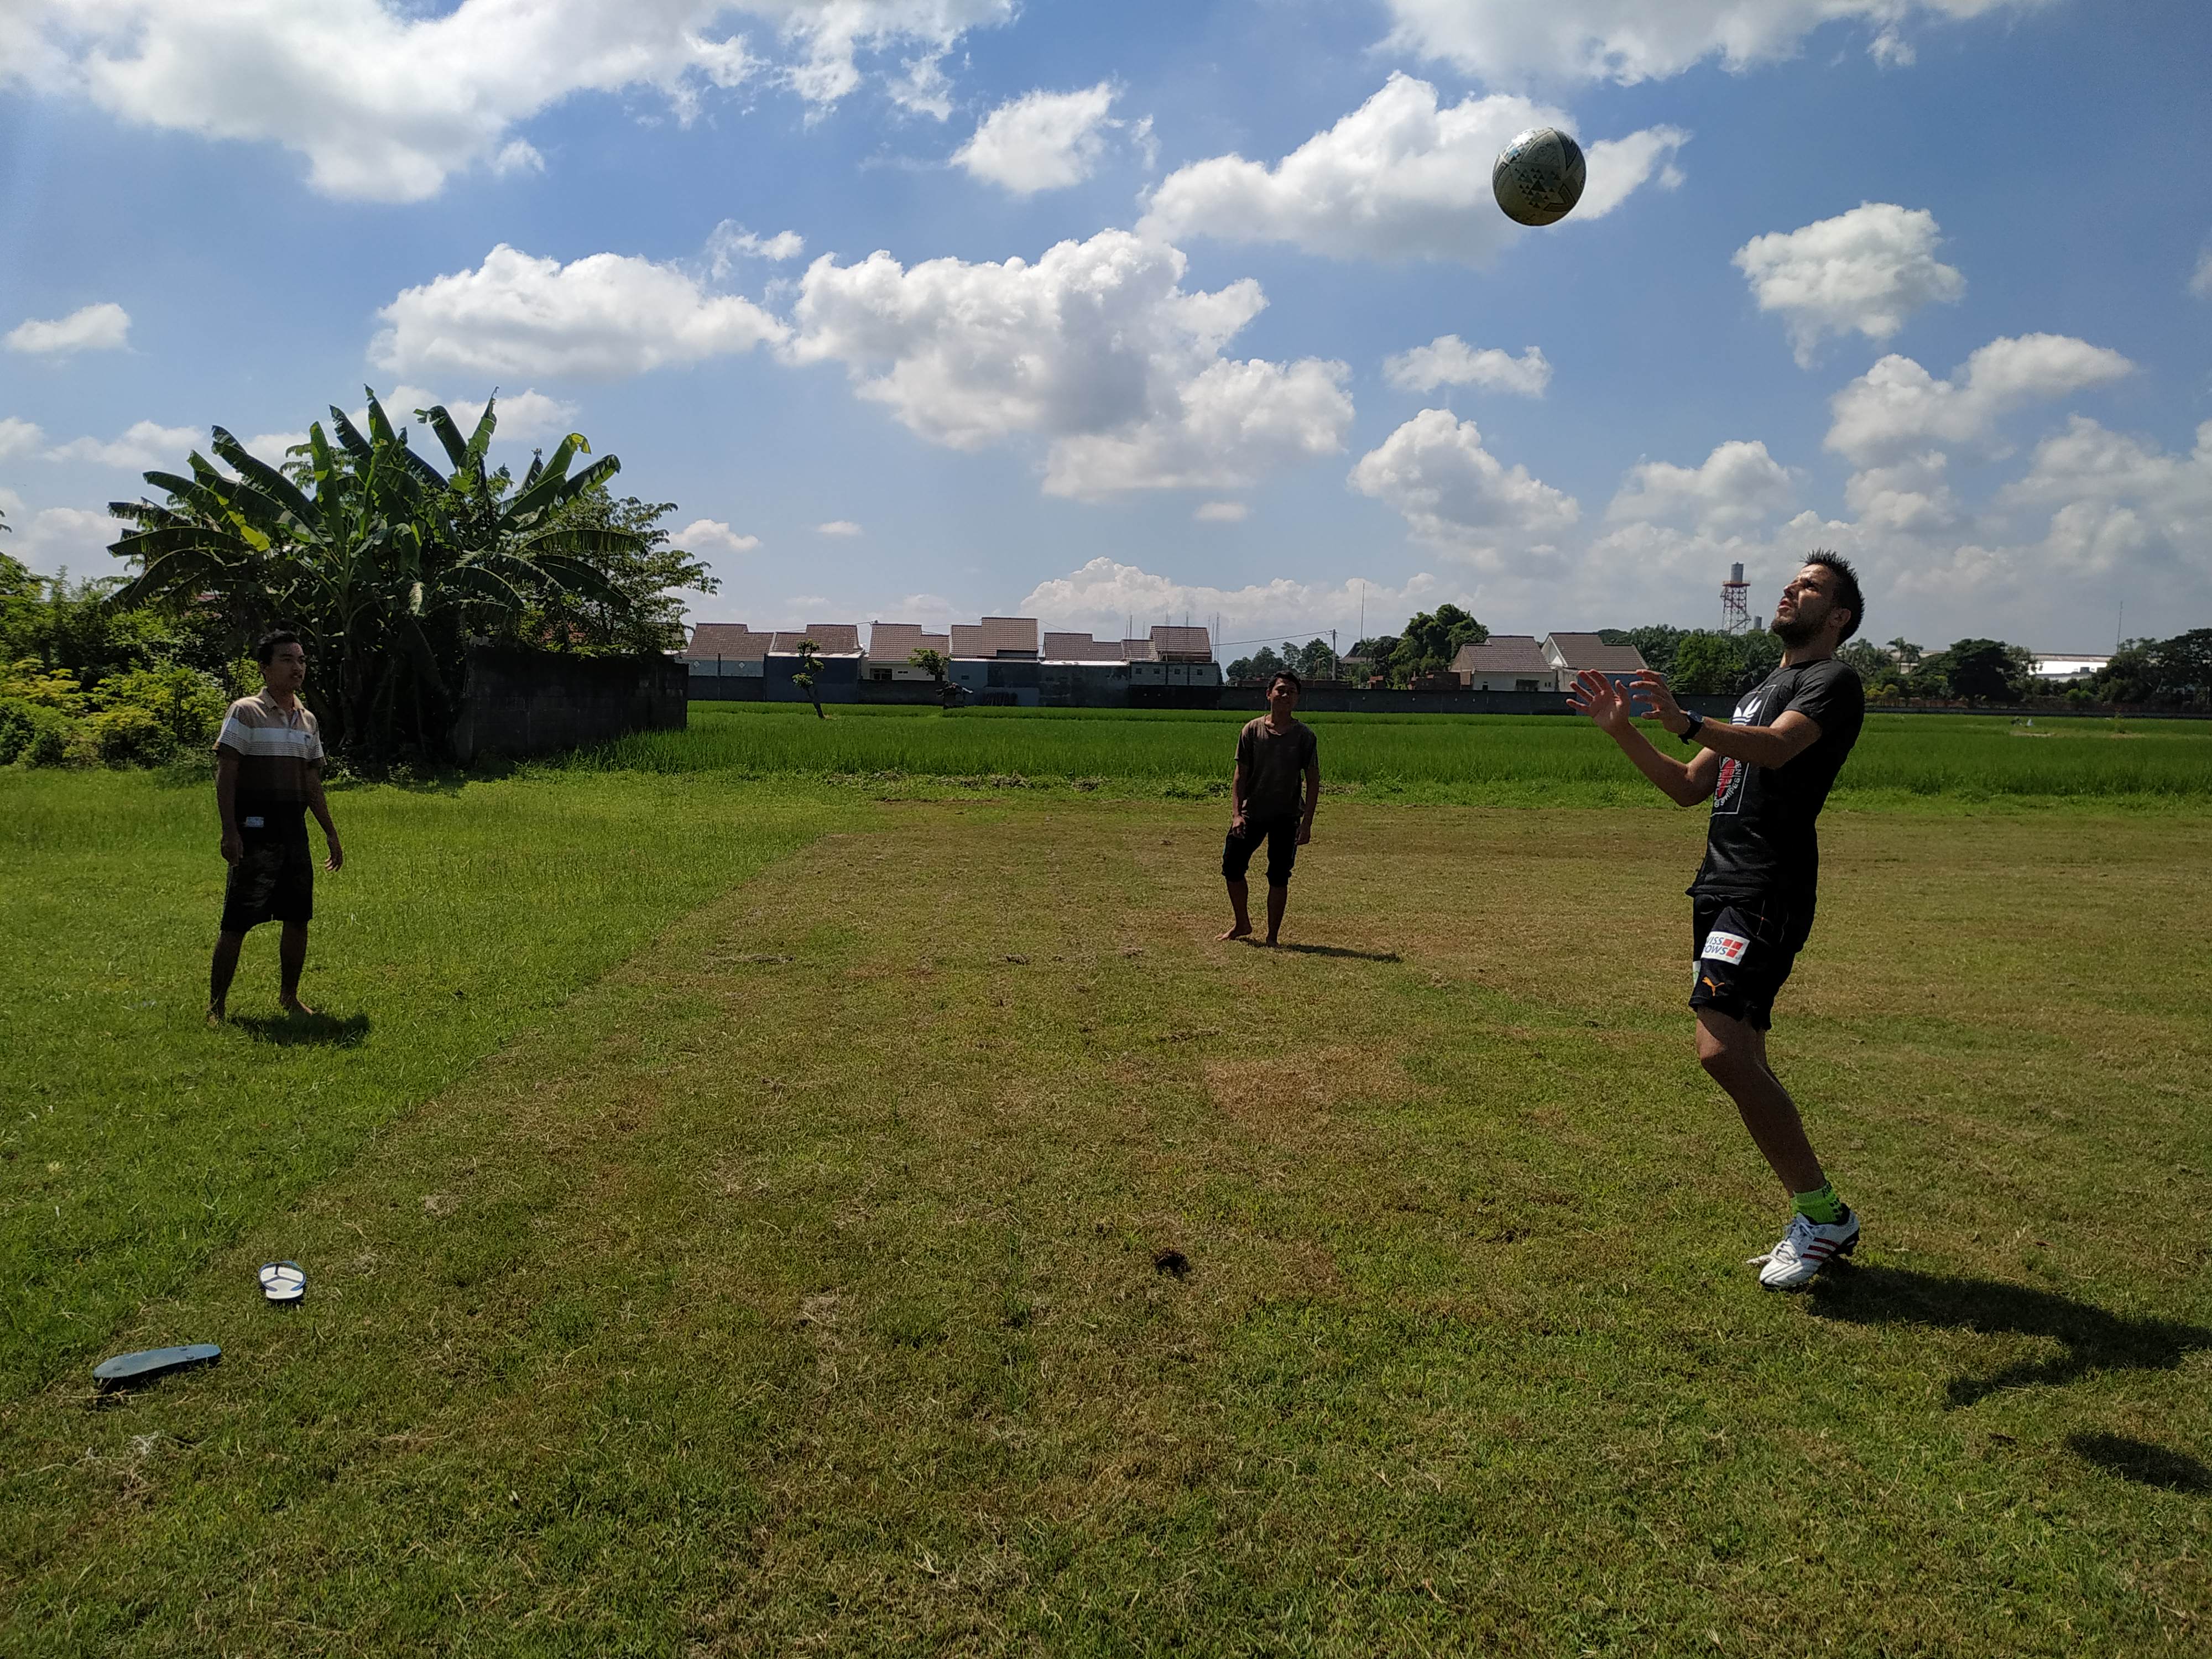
(274, 881)
(1281, 835)
(1744, 950)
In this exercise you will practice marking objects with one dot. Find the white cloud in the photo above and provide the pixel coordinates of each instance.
(1455, 494)
(517, 156)
(710, 536)
(1103, 595)
(1508, 42)
(1897, 408)
(730, 241)
(1399, 178)
(1222, 513)
(103, 327)
(1737, 487)
(1095, 348)
(1866, 271)
(2112, 497)
(59, 538)
(1449, 361)
(599, 317)
(19, 437)
(837, 527)
(146, 444)
(2200, 283)
(1041, 140)
(387, 103)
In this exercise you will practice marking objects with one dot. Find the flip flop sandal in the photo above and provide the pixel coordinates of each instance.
(126, 1369)
(283, 1281)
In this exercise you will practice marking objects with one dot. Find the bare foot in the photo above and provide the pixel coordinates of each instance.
(1268, 941)
(293, 1005)
(1242, 930)
(214, 1014)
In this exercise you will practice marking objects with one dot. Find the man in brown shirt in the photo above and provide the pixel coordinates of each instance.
(1278, 761)
(268, 777)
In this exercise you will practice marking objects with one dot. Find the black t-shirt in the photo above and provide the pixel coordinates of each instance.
(1762, 839)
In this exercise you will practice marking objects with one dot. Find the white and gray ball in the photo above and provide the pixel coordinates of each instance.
(1539, 177)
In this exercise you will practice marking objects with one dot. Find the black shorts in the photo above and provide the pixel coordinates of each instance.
(1744, 948)
(1281, 835)
(273, 881)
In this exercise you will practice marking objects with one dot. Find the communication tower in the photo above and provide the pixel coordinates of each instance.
(1735, 602)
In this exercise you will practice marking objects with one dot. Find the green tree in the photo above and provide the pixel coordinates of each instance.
(1656, 643)
(2183, 667)
(1705, 664)
(385, 566)
(808, 676)
(1877, 668)
(1983, 671)
(1431, 640)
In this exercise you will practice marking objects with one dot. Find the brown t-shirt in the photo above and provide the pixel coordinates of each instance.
(1274, 765)
(280, 752)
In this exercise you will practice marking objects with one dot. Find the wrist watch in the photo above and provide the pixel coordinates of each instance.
(1689, 733)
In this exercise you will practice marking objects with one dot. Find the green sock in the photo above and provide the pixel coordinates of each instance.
(1821, 1204)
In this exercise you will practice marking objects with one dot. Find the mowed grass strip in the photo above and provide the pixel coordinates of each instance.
(798, 1289)
(1475, 759)
(134, 1141)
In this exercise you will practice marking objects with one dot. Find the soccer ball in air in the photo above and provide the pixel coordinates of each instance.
(1539, 177)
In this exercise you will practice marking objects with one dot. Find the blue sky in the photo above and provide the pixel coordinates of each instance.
(1927, 280)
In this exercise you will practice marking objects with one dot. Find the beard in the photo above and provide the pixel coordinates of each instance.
(1800, 630)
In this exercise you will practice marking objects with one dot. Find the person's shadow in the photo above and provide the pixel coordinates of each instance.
(2094, 1340)
(1338, 950)
(295, 1030)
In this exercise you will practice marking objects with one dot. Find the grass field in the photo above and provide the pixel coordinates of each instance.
(1470, 759)
(760, 1254)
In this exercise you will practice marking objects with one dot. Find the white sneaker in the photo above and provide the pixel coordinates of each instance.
(1806, 1251)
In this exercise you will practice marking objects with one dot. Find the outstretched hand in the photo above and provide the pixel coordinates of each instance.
(1603, 700)
(1653, 689)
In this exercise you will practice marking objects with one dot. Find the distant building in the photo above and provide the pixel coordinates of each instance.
(1571, 653)
(1505, 662)
(891, 646)
(2063, 667)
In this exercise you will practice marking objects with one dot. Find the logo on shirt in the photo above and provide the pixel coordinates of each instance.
(1724, 947)
(1728, 792)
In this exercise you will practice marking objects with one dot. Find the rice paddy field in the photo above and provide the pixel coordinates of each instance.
(1469, 759)
(821, 1187)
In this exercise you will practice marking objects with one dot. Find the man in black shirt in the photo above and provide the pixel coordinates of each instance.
(1768, 772)
(1273, 793)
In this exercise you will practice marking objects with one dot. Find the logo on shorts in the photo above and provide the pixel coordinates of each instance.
(252, 824)
(1724, 947)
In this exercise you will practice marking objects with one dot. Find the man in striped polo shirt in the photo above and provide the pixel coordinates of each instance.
(268, 777)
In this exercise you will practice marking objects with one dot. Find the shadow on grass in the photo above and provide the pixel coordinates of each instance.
(2140, 1460)
(2094, 1341)
(313, 1030)
(1340, 951)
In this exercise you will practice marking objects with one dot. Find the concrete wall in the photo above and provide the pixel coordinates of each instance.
(518, 703)
(1319, 701)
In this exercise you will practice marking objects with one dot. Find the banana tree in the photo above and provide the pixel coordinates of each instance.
(386, 564)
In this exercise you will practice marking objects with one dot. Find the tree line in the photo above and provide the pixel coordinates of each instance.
(388, 566)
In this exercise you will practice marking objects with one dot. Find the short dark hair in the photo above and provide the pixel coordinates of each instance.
(265, 647)
(1282, 674)
(1847, 587)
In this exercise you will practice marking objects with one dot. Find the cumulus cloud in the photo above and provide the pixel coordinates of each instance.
(2112, 497)
(387, 103)
(1737, 487)
(2200, 283)
(1095, 348)
(60, 538)
(1222, 513)
(1041, 140)
(1866, 271)
(1399, 178)
(1449, 361)
(146, 444)
(730, 242)
(599, 317)
(1507, 42)
(105, 327)
(711, 536)
(1897, 408)
(1101, 597)
(19, 437)
(837, 527)
(1454, 493)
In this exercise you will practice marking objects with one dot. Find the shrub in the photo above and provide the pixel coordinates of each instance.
(188, 705)
(32, 734)
(131, 736)
(27, 680)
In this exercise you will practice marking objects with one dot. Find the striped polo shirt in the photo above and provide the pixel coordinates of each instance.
(280, 751)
